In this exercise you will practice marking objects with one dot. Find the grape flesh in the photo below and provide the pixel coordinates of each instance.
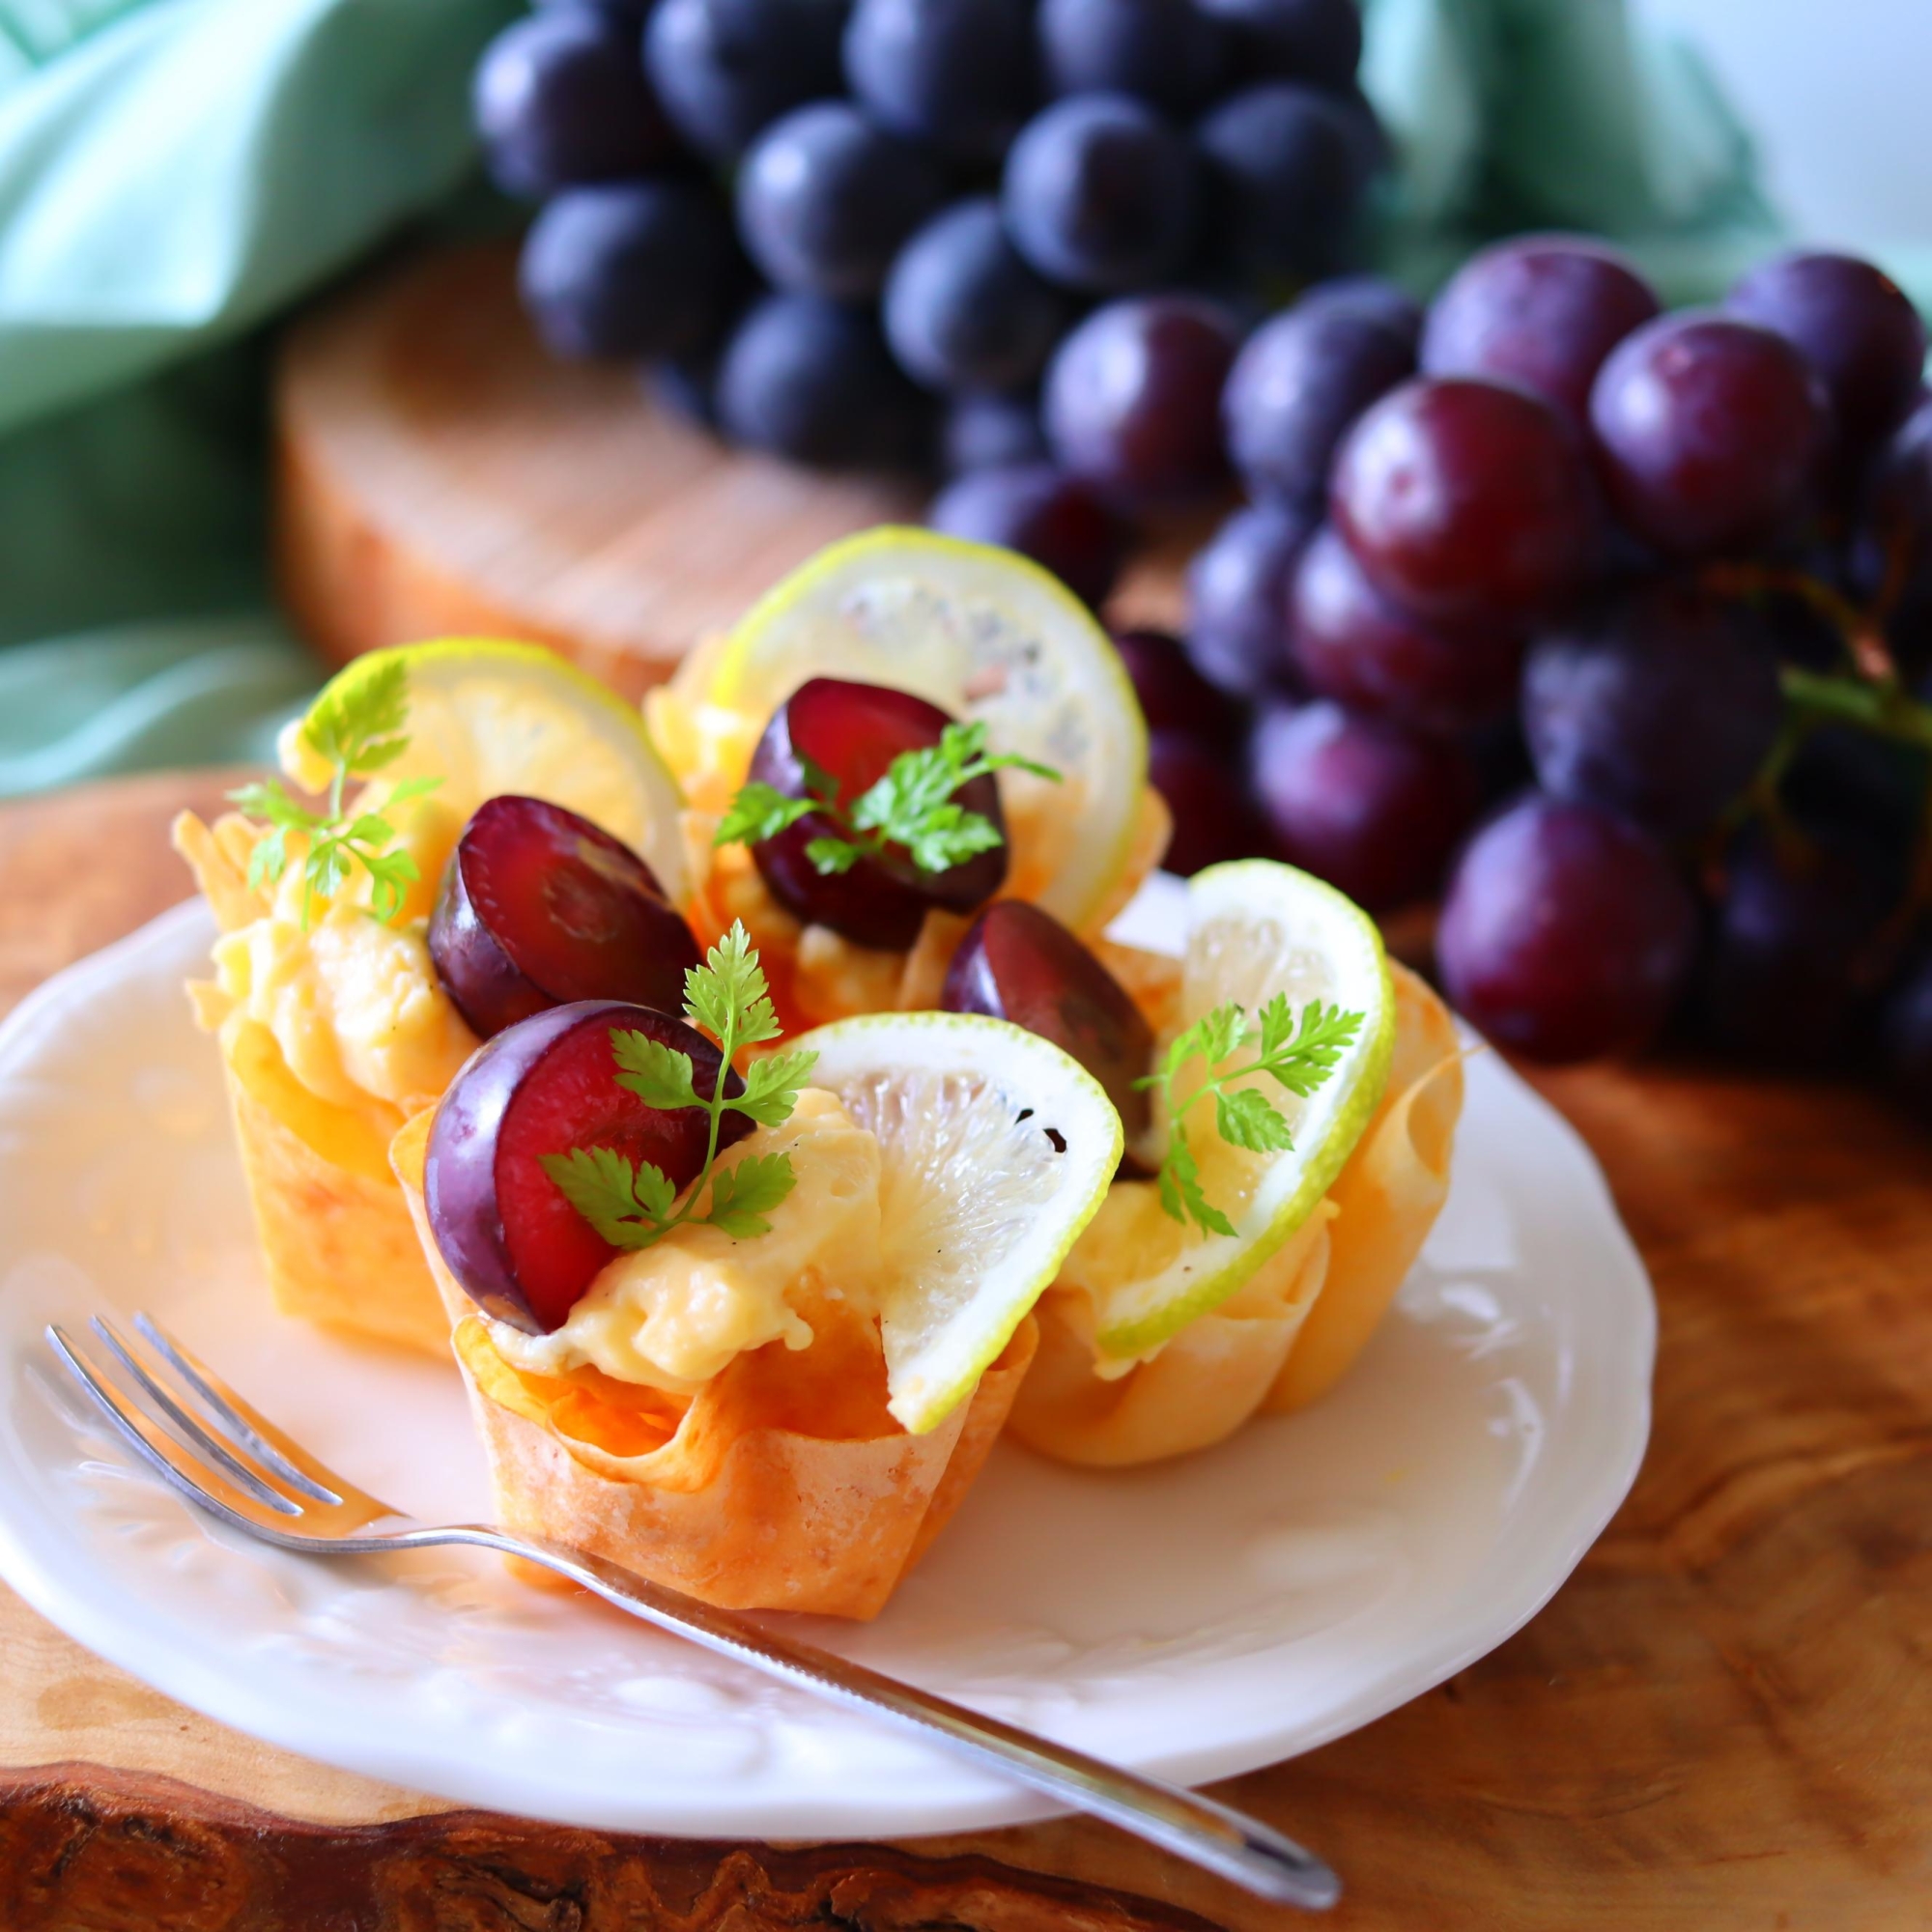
(986, 430)
(540, 907)
(962, 308)
(560, 99)
(1058, 520)
(1853, 325)
(639, 270)
(1285, 170)
(1566, 932)
(1374, 807)
(1130, 398)
(1541, 310)
(1100, 194)
(826, 200)
(1174, 696)
(725, 69)
(852, 732)
(812, 381)
(1020, 964)
(1300, 381)
(1708, 430)
(544, 1086)
(958, 75)
(1466, 502)
(1170, 52)
(1658, 706)
(1213, 817)
(1316, 40)
(1237, 588)
(1350, 643)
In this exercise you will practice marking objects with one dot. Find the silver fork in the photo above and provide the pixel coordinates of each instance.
(231, 1460)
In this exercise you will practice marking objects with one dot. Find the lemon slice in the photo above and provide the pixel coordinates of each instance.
(979, 1203)
(489, 717)
(984, 634)
(1255, 930)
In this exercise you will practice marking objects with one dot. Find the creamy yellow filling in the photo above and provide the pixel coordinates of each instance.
(672, 1316)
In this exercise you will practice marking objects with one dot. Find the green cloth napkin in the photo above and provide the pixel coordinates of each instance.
(176, 173)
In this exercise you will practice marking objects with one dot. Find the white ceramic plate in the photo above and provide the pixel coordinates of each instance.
(1193, 1620)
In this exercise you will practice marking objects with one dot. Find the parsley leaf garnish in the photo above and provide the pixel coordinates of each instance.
(359, 732)
(1297, 1058)
(912, 806)
(634, 1205)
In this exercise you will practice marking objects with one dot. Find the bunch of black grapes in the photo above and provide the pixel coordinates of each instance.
(855, 232)
(1607, 626)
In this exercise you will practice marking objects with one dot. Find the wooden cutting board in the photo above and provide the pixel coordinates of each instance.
(1723, 1722)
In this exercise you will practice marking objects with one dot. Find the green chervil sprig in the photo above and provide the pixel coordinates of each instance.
(361, 732)
(1299, 1058)
(636, 1206)
(912, 807)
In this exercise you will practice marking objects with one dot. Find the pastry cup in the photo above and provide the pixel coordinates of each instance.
(337, 1242)
(1291, 1333)
(782, 1484)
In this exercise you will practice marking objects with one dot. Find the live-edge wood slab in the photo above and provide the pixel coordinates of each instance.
(1723, 1722)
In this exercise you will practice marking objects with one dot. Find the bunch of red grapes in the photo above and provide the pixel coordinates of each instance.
(1606, 626)
(855, 232)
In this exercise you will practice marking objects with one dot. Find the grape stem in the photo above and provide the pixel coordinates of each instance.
(1881, 708)
(1862, 635)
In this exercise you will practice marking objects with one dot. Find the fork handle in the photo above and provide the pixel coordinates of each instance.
(1208, 1834)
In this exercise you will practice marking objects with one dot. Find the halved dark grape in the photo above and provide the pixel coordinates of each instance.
(1543, 310)
(1131, 395)
(853, 732)
(1062, 521)
(540, 908)
(1352, 644)
(549, 1084)
(1466, 500)
(1708, 431)
(1174, 696)
(1213, 817)
(1020, 964)
(1657, 705)
(1369, 804)
(1566, 931)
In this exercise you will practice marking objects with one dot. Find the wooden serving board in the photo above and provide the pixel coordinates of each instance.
(439, 474)
(1723, 1722)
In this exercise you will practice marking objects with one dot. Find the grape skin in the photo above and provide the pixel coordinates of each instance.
(1213, 817)
(812, 381)
(956, 74)
(826, 200)
(725, 70)
(1466, 502)
(963, 310)
(988, 431)
(1656, 706)
(1043, 513)
(1350, 643)
(1316, 40)
(1540, 310)
(1169, 52)
(1300, 382)
(1566, 932)
(638, 271)
(1707, 431)
(1130, 395)
(1237, 601)
(558, 99)
(1174, 696)
(1100, 194)
(1367, 804)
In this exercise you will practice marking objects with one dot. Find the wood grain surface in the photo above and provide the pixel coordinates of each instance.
(1723, 1722)
(439, 475)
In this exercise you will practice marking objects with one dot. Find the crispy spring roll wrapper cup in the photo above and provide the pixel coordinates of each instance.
(1292, 1331)
(783, 1484)
(337, 1242)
